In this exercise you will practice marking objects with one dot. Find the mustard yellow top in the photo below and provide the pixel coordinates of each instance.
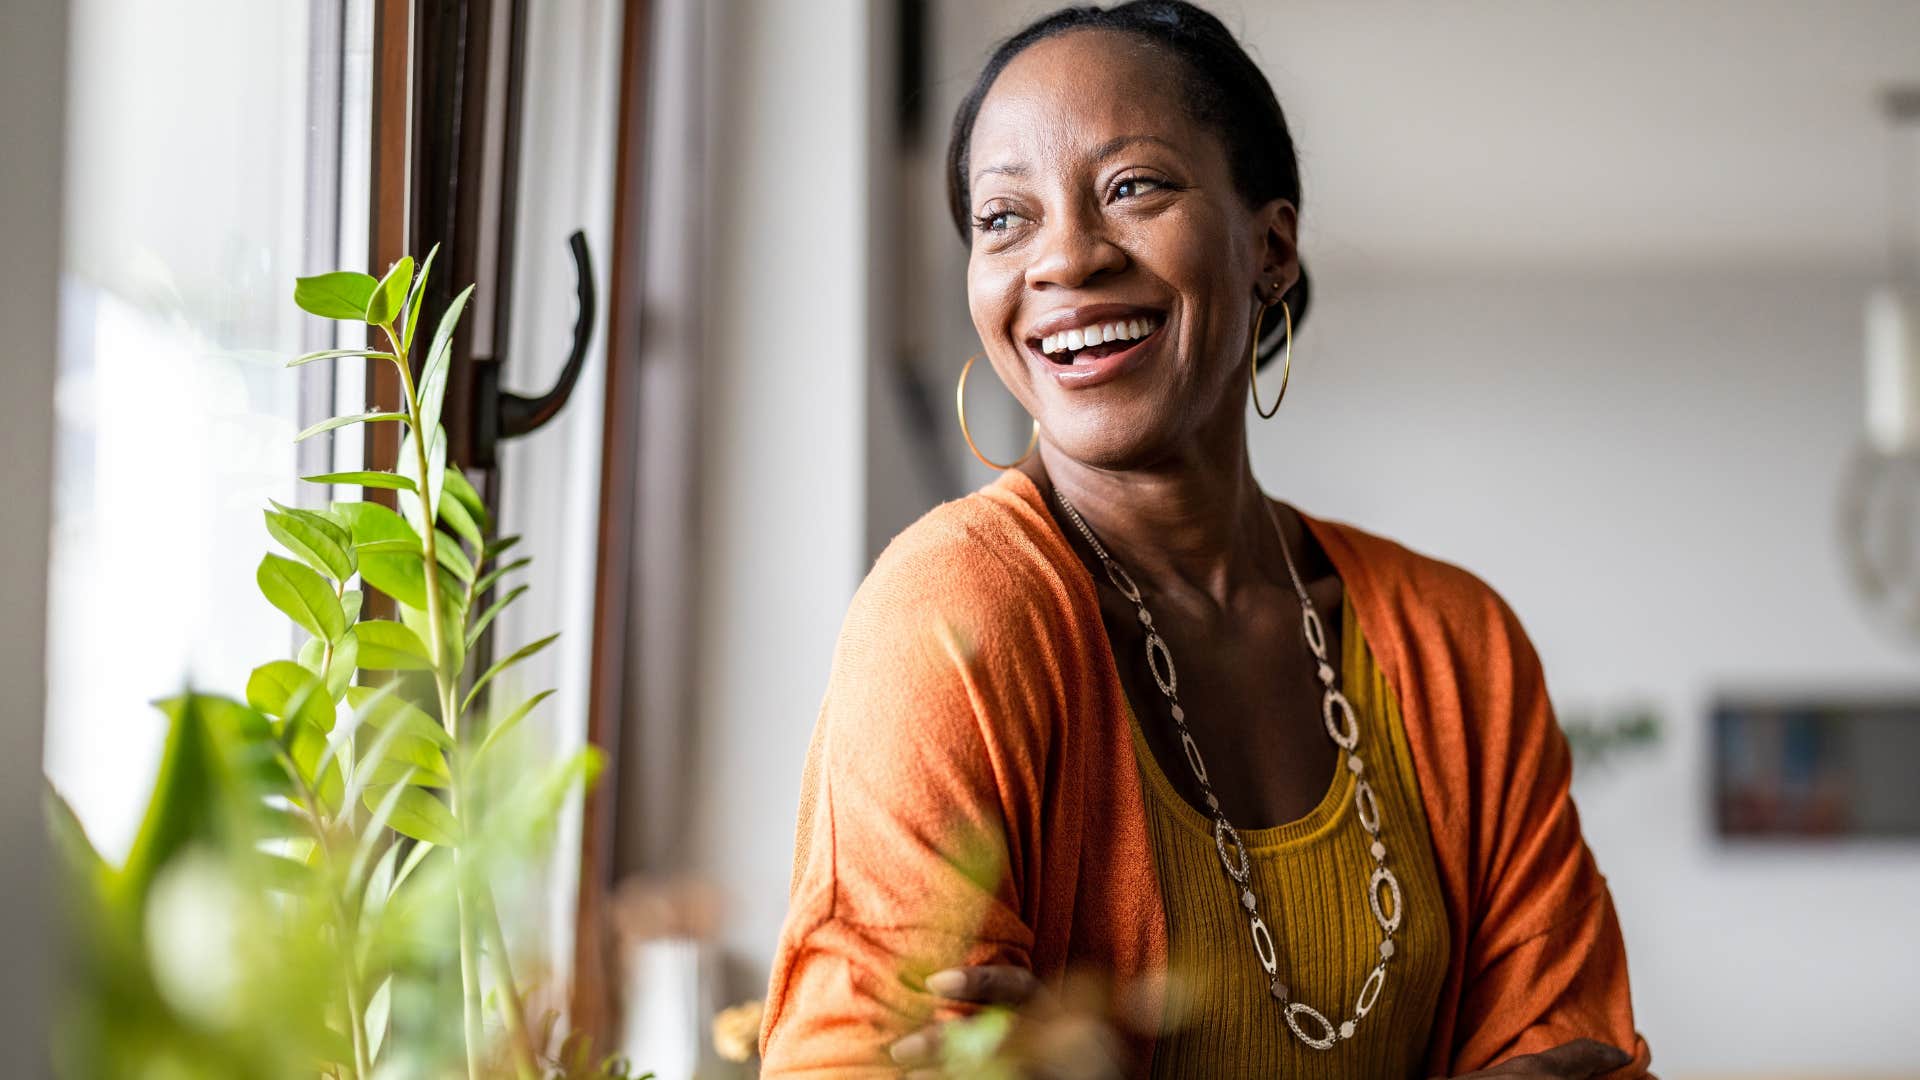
(1310, 875)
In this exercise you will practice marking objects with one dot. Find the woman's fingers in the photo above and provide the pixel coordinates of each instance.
(1581, 1059)
(919, 1048)
(988, 984)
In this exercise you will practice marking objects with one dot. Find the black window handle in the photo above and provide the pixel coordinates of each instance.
(505, 415)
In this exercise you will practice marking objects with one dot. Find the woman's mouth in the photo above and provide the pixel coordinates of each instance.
(1097, 340)
(1099, 350)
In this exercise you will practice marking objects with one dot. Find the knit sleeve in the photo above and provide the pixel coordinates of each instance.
(923, 751)
(1545, 962)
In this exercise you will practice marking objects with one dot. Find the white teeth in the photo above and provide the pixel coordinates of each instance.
(1098, 334)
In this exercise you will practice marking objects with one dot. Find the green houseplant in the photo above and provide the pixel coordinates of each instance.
(313, 889)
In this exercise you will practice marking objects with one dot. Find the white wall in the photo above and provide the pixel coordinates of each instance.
(32, 74)
(1648, 469)
(783, 443)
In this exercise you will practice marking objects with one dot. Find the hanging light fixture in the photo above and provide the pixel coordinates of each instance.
(1880, 506)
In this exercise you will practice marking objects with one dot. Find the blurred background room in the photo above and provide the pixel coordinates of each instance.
(1616, 305)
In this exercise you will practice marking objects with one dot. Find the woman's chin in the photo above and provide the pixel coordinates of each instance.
(1115, 440)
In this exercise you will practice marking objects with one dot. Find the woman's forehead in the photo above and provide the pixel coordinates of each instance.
(1066, 96)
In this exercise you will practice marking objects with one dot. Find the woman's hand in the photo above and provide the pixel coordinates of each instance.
(1050, 1035)
(1581, 1059)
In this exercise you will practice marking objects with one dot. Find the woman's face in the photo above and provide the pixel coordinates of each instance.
(1100, 206)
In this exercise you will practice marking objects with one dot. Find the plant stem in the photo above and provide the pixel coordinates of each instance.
(350, 975)
(469, 967)
(356, 1011)
(511, 1008)
(445, 682)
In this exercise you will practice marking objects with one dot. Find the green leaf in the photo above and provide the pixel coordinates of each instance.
(343, 421)
(498, 545)
(367, 522)
(389, 646)
(316, 546)
(410, 504)
(350, 605)
(338, 354)
(338, 531)
(501, 665)
(410, 760)
(284, 689)
(313, 653)
(433, 374)
(392, 567)
(303, 595)
(307, 746)
(507, 723)
(411, 863)
(379, 1007)
(390, 293)
(487, 616)
(370, 757)
(417, 813)
(346, 661)
(387, 710)
(480, 587)
(373, 896)
(462, 489)
(342, 294)
(391, 481)
(436, 472)
(400, 576)
(413, 298)
(447, 550)
(456, 515)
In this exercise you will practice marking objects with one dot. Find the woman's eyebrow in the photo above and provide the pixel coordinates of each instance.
(1121, 142)
(1006, 169)
(1099, 153)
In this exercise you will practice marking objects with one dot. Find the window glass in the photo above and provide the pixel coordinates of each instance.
(202, 171)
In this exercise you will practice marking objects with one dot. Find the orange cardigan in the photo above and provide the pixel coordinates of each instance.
(971, 796)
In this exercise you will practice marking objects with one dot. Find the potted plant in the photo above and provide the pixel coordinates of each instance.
(313, 887)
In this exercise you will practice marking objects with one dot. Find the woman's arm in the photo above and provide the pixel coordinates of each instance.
(1545, 962)
(903, 864)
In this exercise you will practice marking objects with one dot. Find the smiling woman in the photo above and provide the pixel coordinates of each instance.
(1289, 794)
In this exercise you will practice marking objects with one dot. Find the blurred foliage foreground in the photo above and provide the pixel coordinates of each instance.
(312, 891)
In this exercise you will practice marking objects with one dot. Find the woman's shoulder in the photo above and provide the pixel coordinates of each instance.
(976, 606)
(1419, 589)
(993, 552)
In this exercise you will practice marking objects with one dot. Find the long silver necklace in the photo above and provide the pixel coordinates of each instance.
(1308, 1024)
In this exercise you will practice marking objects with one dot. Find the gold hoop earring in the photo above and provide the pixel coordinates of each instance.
(960, 406)
(1253, 363)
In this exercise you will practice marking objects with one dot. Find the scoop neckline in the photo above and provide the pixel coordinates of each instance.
(1303, 830)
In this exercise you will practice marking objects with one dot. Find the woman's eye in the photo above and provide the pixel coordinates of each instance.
(1135, 185)
(997, 220)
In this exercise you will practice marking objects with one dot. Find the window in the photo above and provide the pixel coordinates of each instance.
(204, 171)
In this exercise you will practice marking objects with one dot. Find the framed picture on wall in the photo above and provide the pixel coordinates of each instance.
(1816, 767)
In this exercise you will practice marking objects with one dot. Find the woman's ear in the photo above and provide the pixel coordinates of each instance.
(1279, 256)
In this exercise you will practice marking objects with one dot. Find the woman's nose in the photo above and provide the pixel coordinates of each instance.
(1072, 250)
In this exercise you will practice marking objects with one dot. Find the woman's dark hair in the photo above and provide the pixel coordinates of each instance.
(1224, 90)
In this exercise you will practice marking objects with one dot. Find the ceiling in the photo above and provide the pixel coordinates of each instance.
(1624, 134)
(1503, 134)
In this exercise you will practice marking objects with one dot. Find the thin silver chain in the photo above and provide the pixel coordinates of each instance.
(1308, 1024)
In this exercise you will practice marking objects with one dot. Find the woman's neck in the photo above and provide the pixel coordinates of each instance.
(1199, 522)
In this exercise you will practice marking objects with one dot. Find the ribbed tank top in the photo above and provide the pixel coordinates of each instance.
(1310, 875)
